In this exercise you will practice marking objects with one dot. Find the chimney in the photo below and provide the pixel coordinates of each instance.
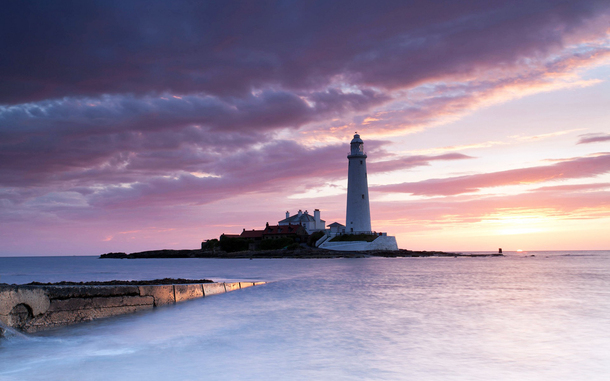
(287, 214)
(300, 212)
(316, 215)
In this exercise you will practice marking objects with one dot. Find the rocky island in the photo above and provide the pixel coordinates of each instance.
(301, 253)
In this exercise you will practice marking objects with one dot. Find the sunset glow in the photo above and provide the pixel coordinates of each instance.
(486, 124)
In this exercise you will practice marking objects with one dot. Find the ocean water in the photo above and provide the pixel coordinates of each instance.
(518, 317)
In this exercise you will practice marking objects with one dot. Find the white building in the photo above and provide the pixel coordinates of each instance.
(358, 213)
(309, 222)
(336, 228)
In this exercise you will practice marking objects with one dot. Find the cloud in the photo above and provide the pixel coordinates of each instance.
(101, 47)
(281, 167)
(573, 187)
(593, 138)
(111, 97)
(568, 169)
(440, 102)
(90, 136)
(261, 111)
(412, 161)
(277, 167)
(543, 204)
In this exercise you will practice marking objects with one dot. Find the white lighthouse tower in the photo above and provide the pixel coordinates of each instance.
(358, 215)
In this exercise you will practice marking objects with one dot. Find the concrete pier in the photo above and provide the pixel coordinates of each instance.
(32, 308)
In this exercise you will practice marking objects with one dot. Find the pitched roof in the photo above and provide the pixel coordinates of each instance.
(336, 224)
(296, 219)
(252, 233)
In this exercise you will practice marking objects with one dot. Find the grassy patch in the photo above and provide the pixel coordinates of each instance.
(314, 237)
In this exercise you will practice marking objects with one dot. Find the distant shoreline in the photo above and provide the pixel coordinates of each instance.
(309, 253)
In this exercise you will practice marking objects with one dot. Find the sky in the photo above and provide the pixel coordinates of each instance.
(140, 125)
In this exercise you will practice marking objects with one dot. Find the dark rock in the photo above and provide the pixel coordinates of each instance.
(300, 253)
(114, 255)
(126, 282)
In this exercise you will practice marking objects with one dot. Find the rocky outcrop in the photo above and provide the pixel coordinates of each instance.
(301, 253)
(35, 307)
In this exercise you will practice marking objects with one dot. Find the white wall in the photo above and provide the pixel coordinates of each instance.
(358, 214)
(381, 243)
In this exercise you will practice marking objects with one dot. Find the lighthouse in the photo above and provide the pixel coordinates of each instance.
(358, 215)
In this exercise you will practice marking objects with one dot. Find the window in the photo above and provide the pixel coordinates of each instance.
(363, 197)
(352, 230)
(360, 161)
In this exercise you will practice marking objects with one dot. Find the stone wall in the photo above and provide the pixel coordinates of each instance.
(35, 308)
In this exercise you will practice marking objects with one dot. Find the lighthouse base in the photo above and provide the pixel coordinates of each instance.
(380, 243)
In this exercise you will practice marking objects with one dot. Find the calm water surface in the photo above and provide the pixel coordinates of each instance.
(514, 318)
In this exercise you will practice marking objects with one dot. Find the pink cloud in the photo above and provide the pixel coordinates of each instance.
(545, 203)
(412, 161)
(568, 169)
(573, 188)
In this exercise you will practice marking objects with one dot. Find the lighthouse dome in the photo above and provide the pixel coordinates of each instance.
(356, 139)
(356, 147)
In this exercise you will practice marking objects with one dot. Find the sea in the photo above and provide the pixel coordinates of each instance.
(525, 316)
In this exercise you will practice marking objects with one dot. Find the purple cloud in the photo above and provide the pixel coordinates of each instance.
(279, 167)
(230, 48)
(593, 138)
(92, 135)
